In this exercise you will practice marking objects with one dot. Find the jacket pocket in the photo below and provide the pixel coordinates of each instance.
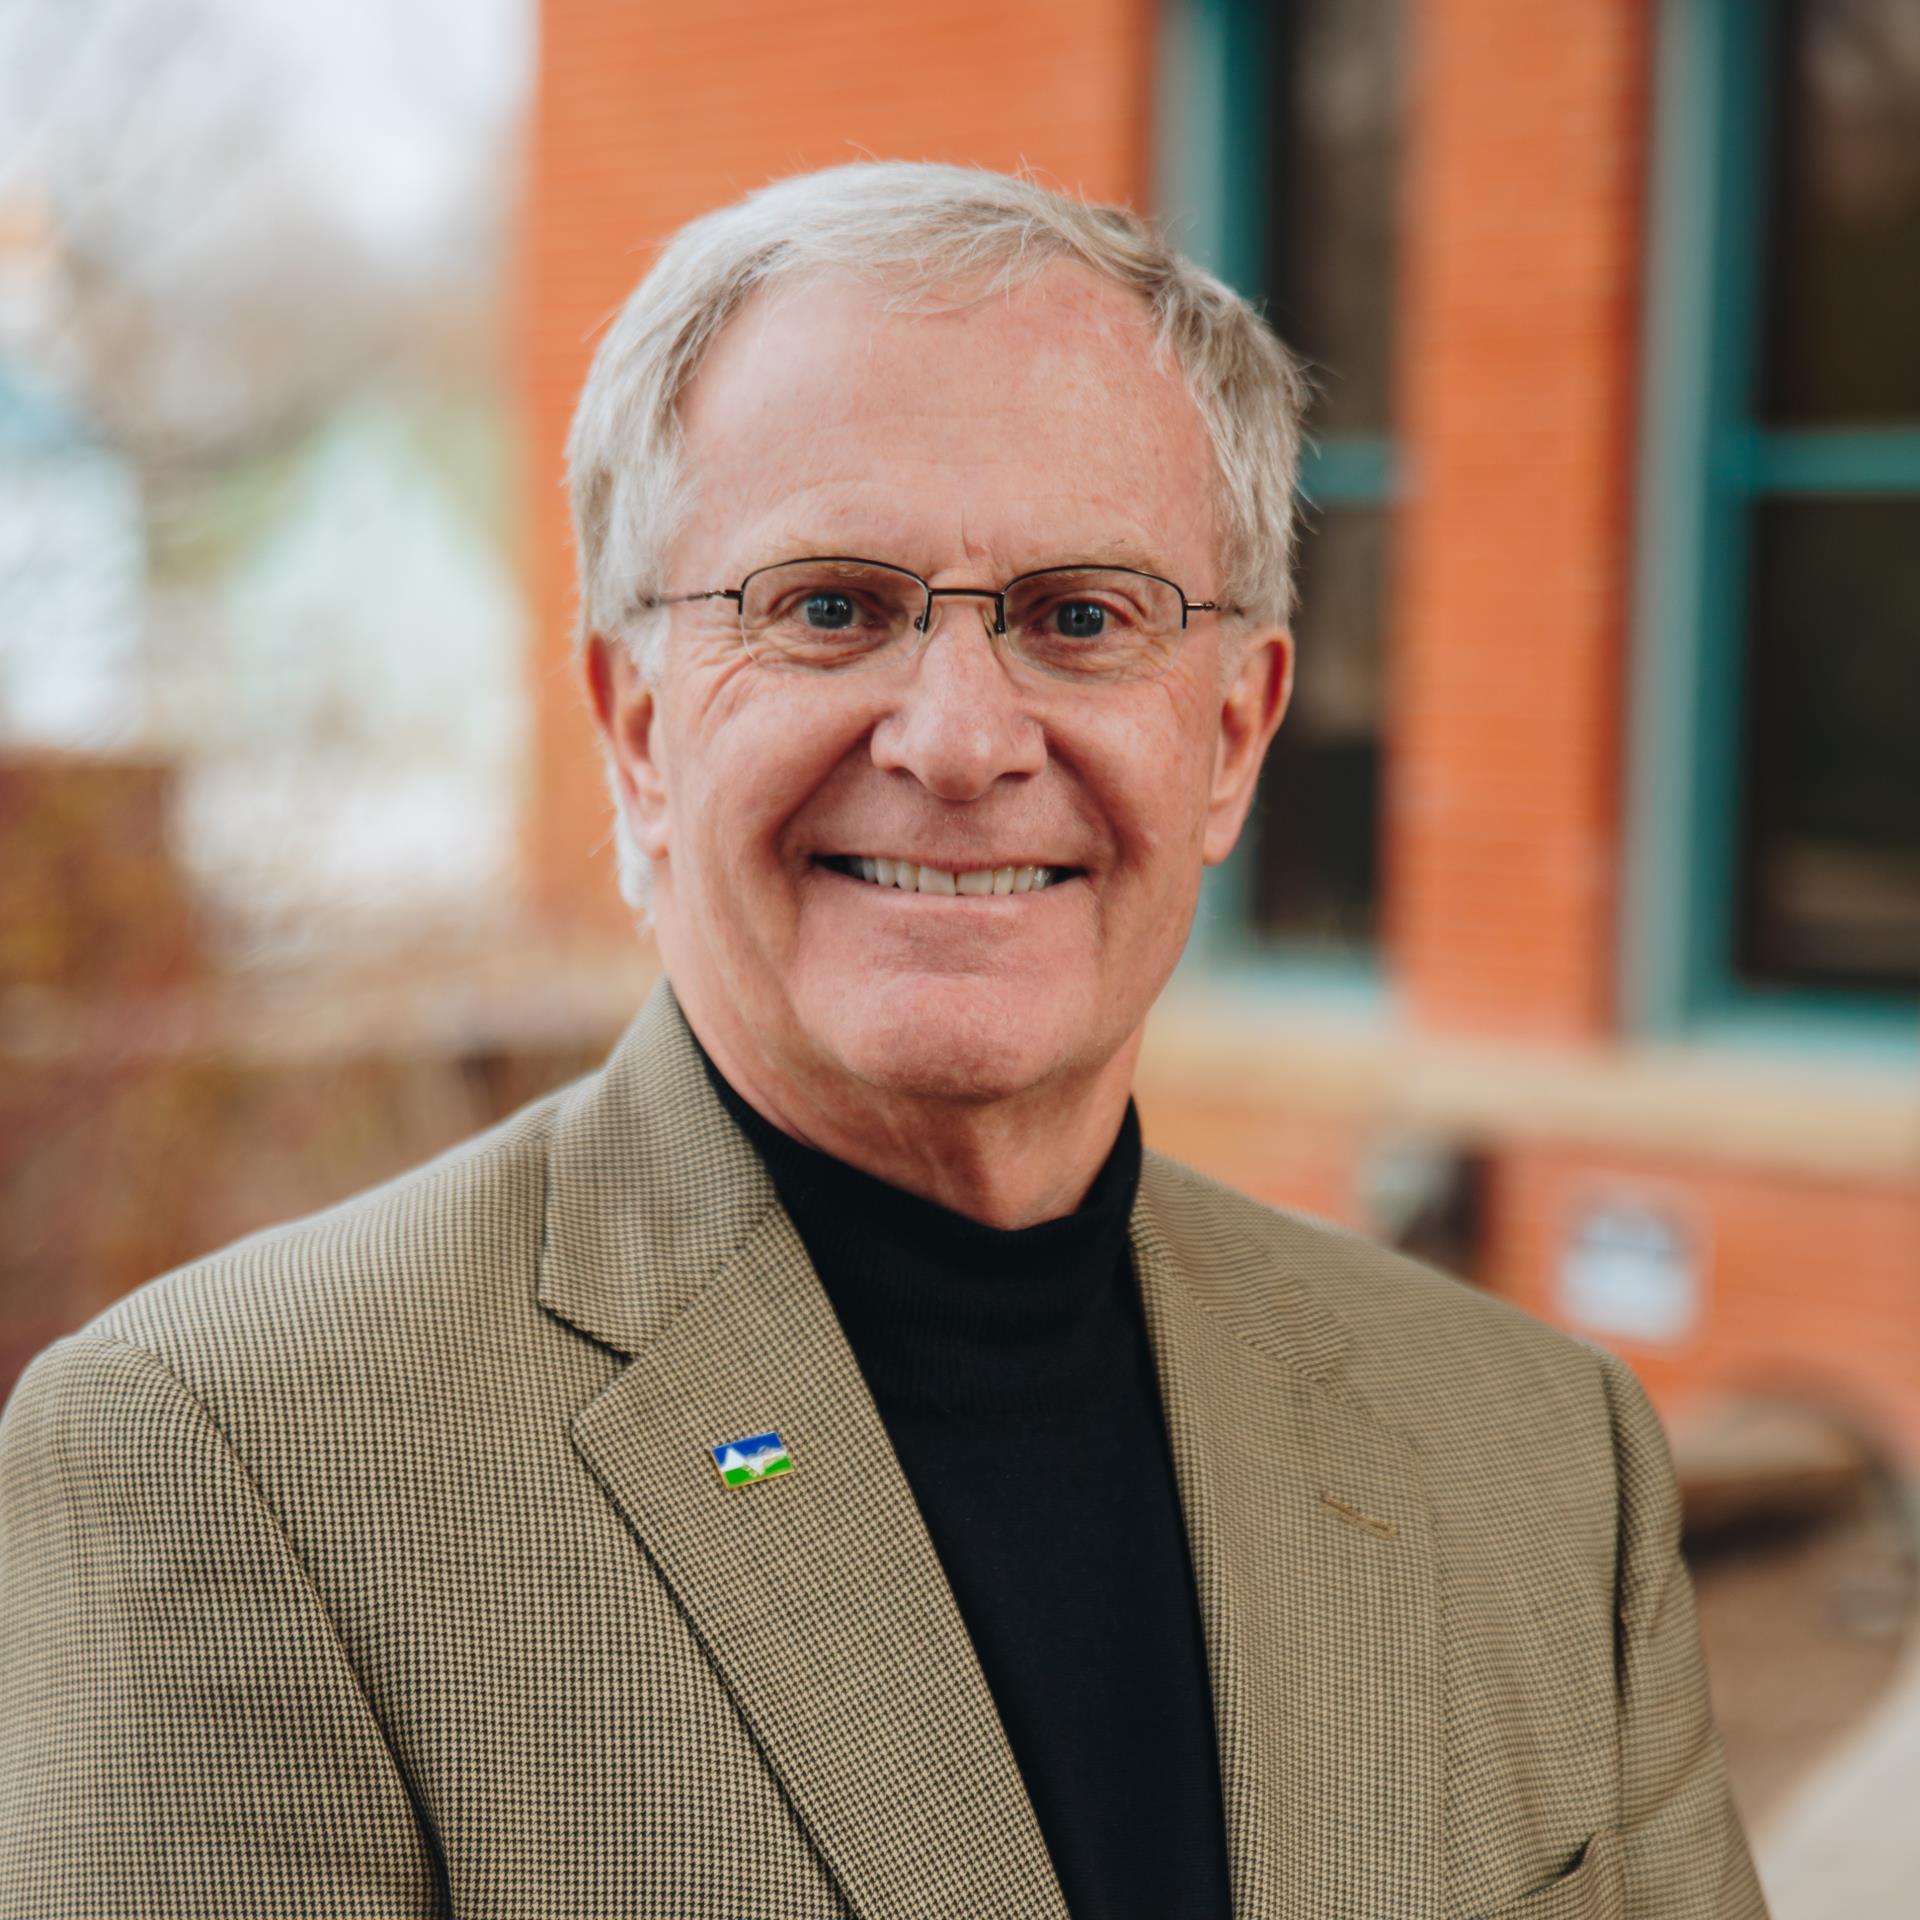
(1593, 1889)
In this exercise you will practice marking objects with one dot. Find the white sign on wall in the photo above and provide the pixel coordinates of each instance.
(1630, 1270)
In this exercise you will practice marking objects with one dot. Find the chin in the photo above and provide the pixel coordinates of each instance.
(965, 1039)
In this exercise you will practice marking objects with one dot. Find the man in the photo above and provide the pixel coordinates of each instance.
(814, 1465)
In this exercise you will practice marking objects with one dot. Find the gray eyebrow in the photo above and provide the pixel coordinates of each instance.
(1121, 553)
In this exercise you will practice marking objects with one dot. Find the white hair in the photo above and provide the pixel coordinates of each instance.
(910, 228)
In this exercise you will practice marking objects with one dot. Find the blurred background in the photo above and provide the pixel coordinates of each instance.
(1576, 941)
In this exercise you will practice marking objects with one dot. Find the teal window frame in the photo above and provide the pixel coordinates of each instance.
(1213, 166)
(1704, 465)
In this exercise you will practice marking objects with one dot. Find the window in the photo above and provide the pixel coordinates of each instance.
(1829, 871)
(1283, 174)
(1327, 278)
(1776, 790)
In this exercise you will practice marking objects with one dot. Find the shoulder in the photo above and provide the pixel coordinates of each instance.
(372, 1287)
(1440, 1360)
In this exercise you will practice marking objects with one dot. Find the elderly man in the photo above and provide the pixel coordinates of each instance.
(817, 1465)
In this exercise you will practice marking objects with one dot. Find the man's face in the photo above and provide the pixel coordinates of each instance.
(1023, 431)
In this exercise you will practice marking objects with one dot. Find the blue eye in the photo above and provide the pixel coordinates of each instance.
(828, 612)
(1080, 619)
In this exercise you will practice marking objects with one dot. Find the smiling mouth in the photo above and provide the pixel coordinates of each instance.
(977, 882)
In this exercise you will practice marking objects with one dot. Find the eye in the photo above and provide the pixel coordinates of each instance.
(828, 611)
(1080, 619)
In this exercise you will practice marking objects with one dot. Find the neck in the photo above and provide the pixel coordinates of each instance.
(1010, 1162)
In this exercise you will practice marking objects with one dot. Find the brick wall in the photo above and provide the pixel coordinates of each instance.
(1809, 1287)
(1517, 370)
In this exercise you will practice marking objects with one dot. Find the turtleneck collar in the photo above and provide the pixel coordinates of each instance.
(939, 1308)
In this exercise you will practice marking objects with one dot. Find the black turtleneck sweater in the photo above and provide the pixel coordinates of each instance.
(1014, 1376)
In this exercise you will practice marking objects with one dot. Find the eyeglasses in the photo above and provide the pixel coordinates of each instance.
(834, 614)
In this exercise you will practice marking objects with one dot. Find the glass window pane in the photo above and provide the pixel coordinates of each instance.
(1831, 833)
(1844, 309)
(1330, 244)
(1315, 826)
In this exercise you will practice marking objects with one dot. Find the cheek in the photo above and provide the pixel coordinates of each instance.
(755, 750)
(1156, 785)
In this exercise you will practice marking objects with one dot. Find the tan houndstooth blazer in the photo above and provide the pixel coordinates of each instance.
(378, 1566)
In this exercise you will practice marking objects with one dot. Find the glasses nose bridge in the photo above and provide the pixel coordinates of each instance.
(996, 594)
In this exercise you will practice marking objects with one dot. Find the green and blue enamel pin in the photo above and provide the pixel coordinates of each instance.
(758, 1457)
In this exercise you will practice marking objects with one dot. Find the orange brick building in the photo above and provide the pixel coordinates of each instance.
(1578, 937)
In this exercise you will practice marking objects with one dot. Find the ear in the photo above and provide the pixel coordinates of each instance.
(626, 711)
(1251, 709)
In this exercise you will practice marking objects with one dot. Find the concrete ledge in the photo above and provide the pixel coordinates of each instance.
(1841, 1119)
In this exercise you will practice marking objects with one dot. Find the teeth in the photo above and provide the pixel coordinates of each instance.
(977, 882)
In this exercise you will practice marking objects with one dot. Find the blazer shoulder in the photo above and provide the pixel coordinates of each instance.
(385, 1265)
(1431, 1353)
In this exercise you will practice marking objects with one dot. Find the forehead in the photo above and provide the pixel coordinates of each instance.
(1014, 428)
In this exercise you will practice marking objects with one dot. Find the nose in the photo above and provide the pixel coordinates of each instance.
(958, 723)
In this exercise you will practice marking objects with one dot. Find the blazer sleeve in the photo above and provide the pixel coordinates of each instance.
(183, 1732)
(1685, 1855)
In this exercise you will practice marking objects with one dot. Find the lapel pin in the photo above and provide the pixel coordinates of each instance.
(758, 1457)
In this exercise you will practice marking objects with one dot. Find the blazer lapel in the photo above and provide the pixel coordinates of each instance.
(817, 1594)
(1313, 1553)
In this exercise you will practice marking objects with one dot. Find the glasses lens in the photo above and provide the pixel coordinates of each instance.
(1095, 623)
(825, 614)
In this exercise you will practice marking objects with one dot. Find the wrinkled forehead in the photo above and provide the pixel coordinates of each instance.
(1010, 425)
